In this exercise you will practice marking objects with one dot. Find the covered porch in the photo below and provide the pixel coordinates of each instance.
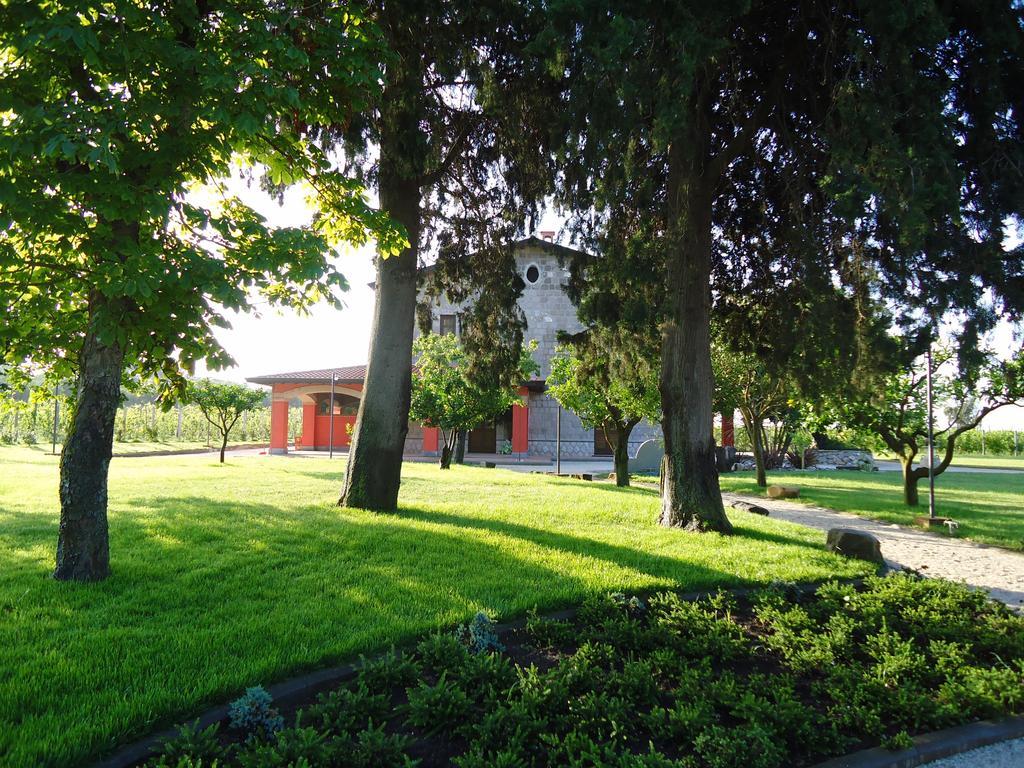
(323, 428)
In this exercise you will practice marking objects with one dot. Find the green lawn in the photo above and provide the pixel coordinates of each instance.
(990, 462)
(228, 576)
(150, 446)
(988, 506)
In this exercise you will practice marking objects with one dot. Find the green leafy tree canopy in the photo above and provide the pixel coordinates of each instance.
(445, 397)
(222, 404)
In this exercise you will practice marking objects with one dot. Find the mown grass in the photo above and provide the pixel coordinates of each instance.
(234, 575)
(129, 447)
(989, 462)
(988, 506)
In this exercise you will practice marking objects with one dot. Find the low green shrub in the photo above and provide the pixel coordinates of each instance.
(783, 679)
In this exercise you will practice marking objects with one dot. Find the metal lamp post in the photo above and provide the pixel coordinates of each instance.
(931, 436)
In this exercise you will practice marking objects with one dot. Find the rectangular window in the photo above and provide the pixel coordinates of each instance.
(448, 324)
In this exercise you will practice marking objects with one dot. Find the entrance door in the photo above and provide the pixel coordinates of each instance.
(483, 439)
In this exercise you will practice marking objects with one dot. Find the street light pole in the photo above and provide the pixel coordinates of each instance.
(931, 437)
(330, 450)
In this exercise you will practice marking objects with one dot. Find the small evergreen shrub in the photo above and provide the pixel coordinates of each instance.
(389, 671)
(433, 707)
(192, 743)
(479, 635)
(254, 716)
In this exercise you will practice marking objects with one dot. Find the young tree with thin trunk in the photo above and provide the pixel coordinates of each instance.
(459, 162)
(893, 408)
(743, 382)
(223, 404)
(112, 114)
(445, 397)
(757, 139)
(590, 378)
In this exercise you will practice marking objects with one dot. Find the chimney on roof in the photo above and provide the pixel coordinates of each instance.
(547, 234)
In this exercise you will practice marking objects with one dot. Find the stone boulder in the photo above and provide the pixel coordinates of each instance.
(746, 506)
(783, 492)
(648, 457)
(853, 543)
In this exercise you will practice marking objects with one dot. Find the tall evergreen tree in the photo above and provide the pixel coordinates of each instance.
(457, 106)
(760, 140)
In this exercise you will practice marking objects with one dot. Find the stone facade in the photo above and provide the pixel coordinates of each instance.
(548, 312)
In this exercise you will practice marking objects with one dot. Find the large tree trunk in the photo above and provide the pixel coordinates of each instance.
(83, 552)
(447, 448)
(691, 497)
(374, 470)
(460, 447)
(621, 452)
(223, 447)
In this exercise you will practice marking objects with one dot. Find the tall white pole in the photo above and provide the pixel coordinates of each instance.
(931, 439)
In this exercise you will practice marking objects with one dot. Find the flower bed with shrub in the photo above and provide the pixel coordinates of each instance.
(777, 678)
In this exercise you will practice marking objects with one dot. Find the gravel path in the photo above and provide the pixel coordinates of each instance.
(999, 571)
(1002, 755)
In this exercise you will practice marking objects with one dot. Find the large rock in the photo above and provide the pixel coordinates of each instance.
(746, 506)
(648, 457)
(853, 543)
(783, 492)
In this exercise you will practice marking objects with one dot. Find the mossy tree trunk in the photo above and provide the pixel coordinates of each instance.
(691, 498)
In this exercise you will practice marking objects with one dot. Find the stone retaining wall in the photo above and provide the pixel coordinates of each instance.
(842, 459)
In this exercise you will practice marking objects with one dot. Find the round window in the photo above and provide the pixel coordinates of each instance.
(532, 274)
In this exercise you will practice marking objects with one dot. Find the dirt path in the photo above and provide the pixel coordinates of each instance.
(999, 571)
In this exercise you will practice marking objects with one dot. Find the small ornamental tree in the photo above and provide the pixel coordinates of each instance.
(894, 408)
(223, 404)
(584, 380)
(111, 113)
(443, 396)
(743, 382)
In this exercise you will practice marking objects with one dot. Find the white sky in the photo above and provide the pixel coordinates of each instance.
(272, 340)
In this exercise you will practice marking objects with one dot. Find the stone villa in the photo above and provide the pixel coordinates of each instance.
(526, 430)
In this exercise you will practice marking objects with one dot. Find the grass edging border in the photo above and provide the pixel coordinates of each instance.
(935, 745)
(302, 687)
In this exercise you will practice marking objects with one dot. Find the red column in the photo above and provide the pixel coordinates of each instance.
(431, 439)
(279, 426)
(521, 424)
(728, 430)
(309, 426)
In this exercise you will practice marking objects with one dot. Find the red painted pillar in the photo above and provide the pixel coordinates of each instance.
(521, 424)
(728, 430)
(279, 426)
(431, 439)
(309, 440)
